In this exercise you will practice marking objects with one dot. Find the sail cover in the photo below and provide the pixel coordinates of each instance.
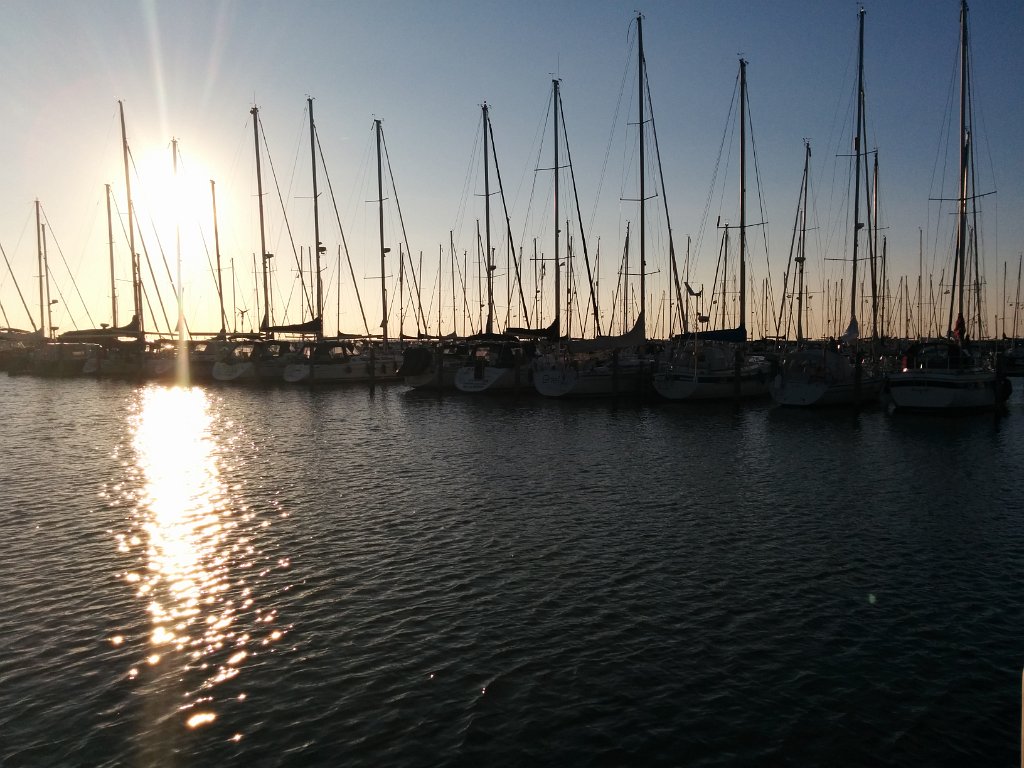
(131, 330)
(633, 338)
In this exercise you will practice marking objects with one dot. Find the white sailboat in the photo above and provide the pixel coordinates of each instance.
(342, 360)
(713, 365)
(944, 375)
(605, 366)
(599, 367)
(261, 359)
(835, 373)
(497, 362)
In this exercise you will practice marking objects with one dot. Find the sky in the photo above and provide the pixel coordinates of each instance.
(191, 71)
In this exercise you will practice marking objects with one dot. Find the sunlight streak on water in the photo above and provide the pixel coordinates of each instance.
(194, 549)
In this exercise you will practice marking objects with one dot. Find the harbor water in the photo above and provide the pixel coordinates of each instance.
(287, 576)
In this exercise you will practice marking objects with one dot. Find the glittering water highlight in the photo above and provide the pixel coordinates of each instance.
(294, 577)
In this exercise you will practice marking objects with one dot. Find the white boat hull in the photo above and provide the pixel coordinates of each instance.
(474, 379)
(432, 379)
(809, 392)
(244, 371)
(683, 384)
(924, 390)
(348, 372)
(599, 381)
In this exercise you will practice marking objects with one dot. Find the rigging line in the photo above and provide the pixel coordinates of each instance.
(209, 262)
(288, 229)
(720, 266)
(626, 76)
(152, 274)
(579, 216)
(307, 296)
(141, 242)
(761, 202)
(525, 172)
(729, 131)
(124, 232)
(465, 295)
(508, 224)
(60, 293)
(974, 206)
(801, 203)
(539, 139)
(467, 182)
(156, 234)
(18, 288)
(53, 238)
(206, 247)
(942, 153)
(664, 194)
(344, 242)
(401, 223)
(536, 175)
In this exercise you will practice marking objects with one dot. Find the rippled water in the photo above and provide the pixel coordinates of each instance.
(339, 577)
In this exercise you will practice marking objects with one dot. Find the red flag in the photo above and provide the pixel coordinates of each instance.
(960, 329)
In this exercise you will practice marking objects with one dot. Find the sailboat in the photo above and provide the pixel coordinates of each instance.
(605, 366)
(345, 360)
(710, 365)
(945, 375)
(835, 373)
(1012, 359)
(17, 344)
(261, 358)
(120, 351)
(497, 362)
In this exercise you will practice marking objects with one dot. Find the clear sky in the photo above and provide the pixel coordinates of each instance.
(193, 69)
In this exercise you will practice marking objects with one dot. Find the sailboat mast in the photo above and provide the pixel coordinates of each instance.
(625, 283)
(264, 256)
(136, 268)
(856, 150)
(641, 75)
(110, 245)
(383, 250)
(319, 311)
(1016, 301)
(42, 274)
(558, 268)
(46, 273)
(177, 245)
(743, 199)
(920, 283)
(965, 150)
(487, 228)
(216, 249)
(877, 273)
(802, 256)
(455, 319)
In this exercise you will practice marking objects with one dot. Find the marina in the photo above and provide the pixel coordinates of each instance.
(333, 575)
(315, 456)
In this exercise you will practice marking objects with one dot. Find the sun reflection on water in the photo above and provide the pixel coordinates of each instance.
(191, 549)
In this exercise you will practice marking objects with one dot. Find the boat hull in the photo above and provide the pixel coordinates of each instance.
(682, 384)
(811, 393)
(923, 390)
(348, 372)
(599, 381)
(489, 378)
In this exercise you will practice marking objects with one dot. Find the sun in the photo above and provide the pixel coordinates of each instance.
(173, 207)
(170, 194)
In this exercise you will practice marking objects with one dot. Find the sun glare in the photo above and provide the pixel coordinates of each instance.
(176, 206)
(190, 536)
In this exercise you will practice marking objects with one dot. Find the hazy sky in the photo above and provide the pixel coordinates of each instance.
(192, 70)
